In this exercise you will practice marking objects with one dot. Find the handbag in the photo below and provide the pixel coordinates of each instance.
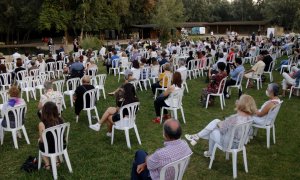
(30, 165)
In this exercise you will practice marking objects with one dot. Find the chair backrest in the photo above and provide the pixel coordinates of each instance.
(100, 80)
(9, 66)
(59, 85)
(18, 113)
(89, 98)
(178, 168)
(271, 66)
(272, 114)
(72, 83)
(154, 71)
(21, 74)
(131, 110)
(34, 73)
(60, 65)
(115, 63)
(60, 134)
(41, 79)
(221, 86)
(5, 79)
(183, 75)
(238, 136)
(27, 82)
(176, 98)
(50, 66)
(136, 73)
(239, 79)
(4, 96)
(191, 64)
(145, 73)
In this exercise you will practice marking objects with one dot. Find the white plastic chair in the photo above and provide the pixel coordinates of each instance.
(9, 67)
(270, 70)
(257, 78)
(28, 85)
(234, 146)
(59, 85)
(127, 122)
(5, 80)
(154, 73)
(40, 81)
(89, 96)
(34, 73)
(20, 75)
(50, 69)
(191, 71)
(271, 117)
(145, 73)
(71, 87)
(176, 104)
(60, 134)
(19, 113)
(60, 68)
(293, 87)
(136, 74)
(168, 78)
(4, 97)
(219, 93)
(179, 167)
(184, 77)
(238, 83)
(98, 83)
(115, 66)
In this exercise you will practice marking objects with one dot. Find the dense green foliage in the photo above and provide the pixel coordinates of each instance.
(92, 16)
(91, 42)
(92, 156)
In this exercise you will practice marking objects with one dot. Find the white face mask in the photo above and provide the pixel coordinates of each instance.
(267, 93)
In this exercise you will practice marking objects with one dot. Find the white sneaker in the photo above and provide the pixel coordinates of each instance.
(95, 127)
(206, 154)
(192, 138)
(108, 134)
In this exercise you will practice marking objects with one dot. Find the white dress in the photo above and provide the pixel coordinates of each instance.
(264, 120)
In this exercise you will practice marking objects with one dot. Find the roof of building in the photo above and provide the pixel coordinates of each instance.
(198, 24)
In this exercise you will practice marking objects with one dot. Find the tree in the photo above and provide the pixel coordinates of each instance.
(169, 14)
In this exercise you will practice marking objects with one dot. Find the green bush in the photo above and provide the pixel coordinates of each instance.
(91, 42)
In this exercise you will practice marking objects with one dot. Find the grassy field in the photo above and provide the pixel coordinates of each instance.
(92, 156)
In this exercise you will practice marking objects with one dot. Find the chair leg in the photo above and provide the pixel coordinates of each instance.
(25, 134)
(227, 155)
(96, 112)
(182, 114)
(274, 138)
(221, 102)
(207, 99)
(245, 159)
(53, 164)
(40, 160)
(77, 117)
(175, 114)
(71, 100)
(137, 134)
(68, 161)
(247, 83)
(27, 96)
(127, 138)
(112, 135)
(2, 135)
(268, 137)
(234, 164)
(291, 91)
(14, 135)
(161, 114)
(212, 156)
(89, 117)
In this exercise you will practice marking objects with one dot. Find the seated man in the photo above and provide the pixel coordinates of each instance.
(255, 71)
(76, 69)
(234, 72)
(290, 79)
(80, 90)
(148, 166)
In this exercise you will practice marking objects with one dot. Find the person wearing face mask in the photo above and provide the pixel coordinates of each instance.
(148, 166)
(272, 92)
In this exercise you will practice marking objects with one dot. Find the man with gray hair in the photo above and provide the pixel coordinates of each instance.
(77, 69)
(149, 166)
(50, 95)
(182, 69)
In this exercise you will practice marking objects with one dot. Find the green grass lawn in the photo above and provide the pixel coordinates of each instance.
(92, 156)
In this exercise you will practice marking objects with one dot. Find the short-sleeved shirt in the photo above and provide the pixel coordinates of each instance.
(267, 60)
(259, 67)
(53, 96)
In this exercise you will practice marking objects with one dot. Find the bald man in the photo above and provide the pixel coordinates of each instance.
(148, 166)
(80, 90)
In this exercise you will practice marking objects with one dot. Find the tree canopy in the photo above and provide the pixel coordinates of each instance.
(92, 16)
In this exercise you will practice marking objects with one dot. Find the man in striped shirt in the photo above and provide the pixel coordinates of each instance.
(148, 166)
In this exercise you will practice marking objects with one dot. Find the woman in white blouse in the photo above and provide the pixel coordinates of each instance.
(218, 131)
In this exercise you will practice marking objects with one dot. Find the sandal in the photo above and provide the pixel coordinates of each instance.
(57, 163)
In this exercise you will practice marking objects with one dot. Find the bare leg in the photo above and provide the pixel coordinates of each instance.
(108, 113)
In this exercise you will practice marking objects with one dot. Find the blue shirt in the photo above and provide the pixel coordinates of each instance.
(297, 76)
(234, 74)
(112, 60)
(162, 62)
(77, 66)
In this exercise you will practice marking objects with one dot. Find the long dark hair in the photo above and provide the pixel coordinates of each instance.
(50, 116)
(177, 79)
(129, 94)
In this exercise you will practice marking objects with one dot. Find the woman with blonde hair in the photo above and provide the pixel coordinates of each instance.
(218, 131)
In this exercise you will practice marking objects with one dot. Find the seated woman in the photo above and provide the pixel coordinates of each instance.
(125, 95)
(128, 77)
(218, 131)
(13, 101)
(164, 99)
(159, 83)
(50, 117)
(215, 80)
(290, 79)
(91, 66)
(261, 115)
